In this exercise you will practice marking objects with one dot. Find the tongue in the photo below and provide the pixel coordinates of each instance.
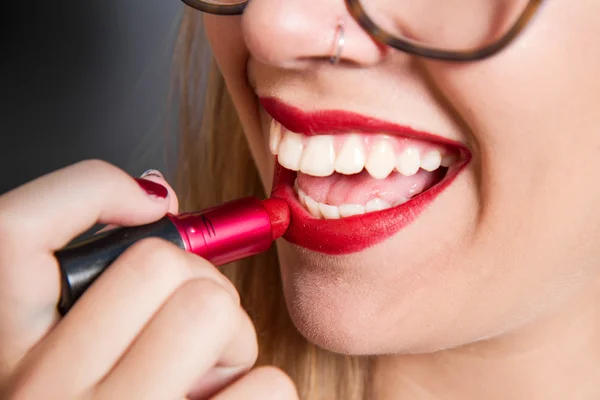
(340, 189)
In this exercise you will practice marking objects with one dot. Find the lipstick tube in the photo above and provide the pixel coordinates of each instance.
(221, 235)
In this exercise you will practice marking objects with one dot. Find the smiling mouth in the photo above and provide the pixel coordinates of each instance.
(352, 181)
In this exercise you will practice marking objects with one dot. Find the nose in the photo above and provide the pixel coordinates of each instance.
(293, 33)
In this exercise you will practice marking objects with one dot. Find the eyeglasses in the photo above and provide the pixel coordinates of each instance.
(449, 30)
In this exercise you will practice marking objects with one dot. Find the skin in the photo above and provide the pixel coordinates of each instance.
(173, 333)
(499, 278)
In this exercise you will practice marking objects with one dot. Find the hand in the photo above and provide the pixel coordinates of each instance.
(160, 323)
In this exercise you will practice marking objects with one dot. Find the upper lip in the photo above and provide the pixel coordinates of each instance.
(327, 122)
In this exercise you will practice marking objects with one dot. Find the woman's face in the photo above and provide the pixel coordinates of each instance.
(502, 242)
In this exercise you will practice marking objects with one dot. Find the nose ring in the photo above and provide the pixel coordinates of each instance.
(339, 44)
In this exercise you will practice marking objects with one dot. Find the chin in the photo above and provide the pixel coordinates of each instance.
(350, 305)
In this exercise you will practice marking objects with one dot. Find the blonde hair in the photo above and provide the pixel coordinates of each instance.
(215, 165)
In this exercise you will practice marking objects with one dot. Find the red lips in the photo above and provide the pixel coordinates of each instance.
(352, 234)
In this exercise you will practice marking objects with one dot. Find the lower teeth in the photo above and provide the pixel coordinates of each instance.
(408, 190)
(326, 211)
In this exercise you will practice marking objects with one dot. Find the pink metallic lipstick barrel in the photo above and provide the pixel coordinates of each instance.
(221, 235)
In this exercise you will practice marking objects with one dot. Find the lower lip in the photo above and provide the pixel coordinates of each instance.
(352, 234)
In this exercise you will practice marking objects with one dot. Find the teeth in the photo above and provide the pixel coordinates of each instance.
(349, 210)
(376, 205)
(431, 161)
(408, 162)
(351, 159)
(381, 161)
(318, 157)
(313, 207)
(275, 137)
(302, 197)
(379, 155)
(290, 151)
(329, 212)
(321, 210)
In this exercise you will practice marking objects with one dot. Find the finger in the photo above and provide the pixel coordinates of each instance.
(157, 177)
(42, 216)
(187, 337)
(112, 312)
(262, 383)
(238, 357)
(47, 213)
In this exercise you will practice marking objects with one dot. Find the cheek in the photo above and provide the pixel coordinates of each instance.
(533, 110)
(539, 95)
(231, 55)
(227, 45)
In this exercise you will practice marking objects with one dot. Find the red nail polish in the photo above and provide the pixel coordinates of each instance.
(153, 188)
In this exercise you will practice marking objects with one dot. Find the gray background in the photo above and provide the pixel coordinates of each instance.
(84, 79)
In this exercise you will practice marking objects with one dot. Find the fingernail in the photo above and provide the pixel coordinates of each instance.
(153, 188)
(152, 172)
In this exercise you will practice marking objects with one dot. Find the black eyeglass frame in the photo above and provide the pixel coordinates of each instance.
(382, 36)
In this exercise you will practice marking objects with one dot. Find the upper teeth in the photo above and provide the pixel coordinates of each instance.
(318, 157)
(349, 154)
(351, 158)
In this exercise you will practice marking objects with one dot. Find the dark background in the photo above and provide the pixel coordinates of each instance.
(85, 79)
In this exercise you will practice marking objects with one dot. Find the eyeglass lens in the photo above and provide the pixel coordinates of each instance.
(453, 25)
(223, 2)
